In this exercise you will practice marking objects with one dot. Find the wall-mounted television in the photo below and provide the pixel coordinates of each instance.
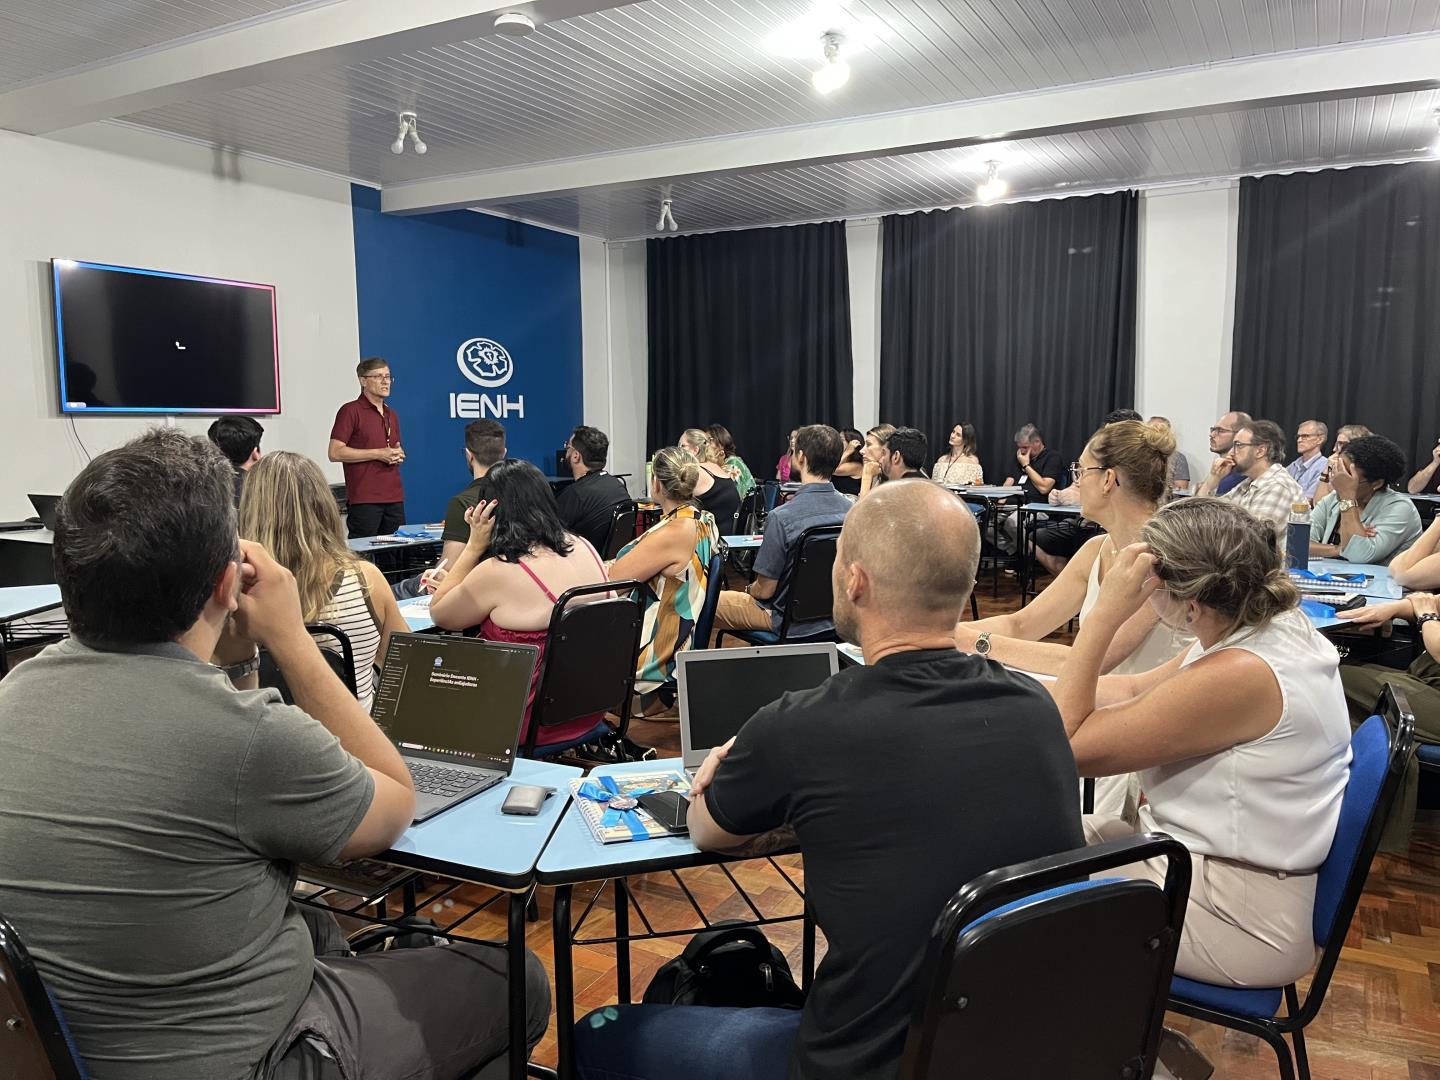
(147, 341)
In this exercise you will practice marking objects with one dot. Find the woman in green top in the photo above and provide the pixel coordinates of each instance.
(723, 445)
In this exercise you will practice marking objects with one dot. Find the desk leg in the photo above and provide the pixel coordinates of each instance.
(564, 985)
(807, 950)
(622, 944)
(519, 1052)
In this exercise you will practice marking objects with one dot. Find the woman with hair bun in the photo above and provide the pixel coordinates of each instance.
(715, 491)
(1242, 743)
(673, 560)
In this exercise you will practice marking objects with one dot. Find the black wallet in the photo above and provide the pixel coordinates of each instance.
(668, 808)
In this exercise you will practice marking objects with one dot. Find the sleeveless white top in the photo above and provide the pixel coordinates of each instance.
(1160, 645)
(1274, 802)
(347, 610)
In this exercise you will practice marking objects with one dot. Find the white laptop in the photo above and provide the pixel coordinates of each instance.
(719, 689)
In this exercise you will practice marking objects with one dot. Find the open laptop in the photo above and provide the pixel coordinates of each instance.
(45, 506)
(453, 707)
(719, 689)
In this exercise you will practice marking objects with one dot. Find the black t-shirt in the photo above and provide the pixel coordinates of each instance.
(1047, 463)
(723, 502)
(846, 485)
(455, 527)
(903, 781)
(587, 506)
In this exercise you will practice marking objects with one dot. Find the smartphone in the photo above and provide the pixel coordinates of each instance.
(668, 808)
(525, 799)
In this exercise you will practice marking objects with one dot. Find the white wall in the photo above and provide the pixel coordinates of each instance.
(862, 243)
(112, 194)
(616, 342)
(1186, 310)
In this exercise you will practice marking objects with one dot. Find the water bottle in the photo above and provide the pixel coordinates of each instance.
(1297, 537)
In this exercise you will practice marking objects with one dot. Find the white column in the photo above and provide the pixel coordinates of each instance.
(862, 242)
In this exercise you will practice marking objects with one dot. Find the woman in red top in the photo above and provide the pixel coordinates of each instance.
(511, 596)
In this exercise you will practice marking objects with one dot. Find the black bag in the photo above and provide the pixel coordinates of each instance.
(731, 965)
(413, 932)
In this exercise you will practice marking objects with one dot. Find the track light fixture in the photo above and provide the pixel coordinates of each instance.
(667, 219)
(408, 127)
(836, 72)
(993, 187)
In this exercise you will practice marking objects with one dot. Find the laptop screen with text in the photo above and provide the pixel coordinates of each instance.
(722, 691)
(454, 695)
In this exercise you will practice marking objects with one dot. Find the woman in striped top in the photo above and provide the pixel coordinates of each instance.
(286, 505)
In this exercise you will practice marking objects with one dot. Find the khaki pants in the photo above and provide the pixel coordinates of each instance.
(741, 611)
(1245, 926)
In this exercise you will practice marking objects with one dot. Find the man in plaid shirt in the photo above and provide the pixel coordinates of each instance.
(1267, 491)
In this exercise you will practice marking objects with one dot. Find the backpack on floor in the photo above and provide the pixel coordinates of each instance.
(731, 965)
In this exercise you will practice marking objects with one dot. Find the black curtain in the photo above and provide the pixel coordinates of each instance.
(1003, 315)
(1337, 301)
(751, 330)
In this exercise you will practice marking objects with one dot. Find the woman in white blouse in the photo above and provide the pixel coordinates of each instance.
(961, 465)
(1242, 743)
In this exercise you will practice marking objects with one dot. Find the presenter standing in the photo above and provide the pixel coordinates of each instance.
(366, 440)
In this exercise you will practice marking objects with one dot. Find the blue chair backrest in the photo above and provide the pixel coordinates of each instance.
(1370, 760)
(705, 620)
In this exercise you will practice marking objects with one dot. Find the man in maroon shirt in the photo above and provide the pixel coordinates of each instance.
(366, 439)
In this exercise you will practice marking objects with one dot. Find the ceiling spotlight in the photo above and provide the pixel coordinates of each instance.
(835, 73)
(514, 24)
(667, 219)
(408, 127)
(993, 187)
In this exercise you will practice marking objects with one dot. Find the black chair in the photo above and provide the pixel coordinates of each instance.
(1095, 956)
(35, 1043)
(705, 620)
(745, 519)
(343, 663)
(805, 581)
(1381, 749)
(591, 651)
(622, 530)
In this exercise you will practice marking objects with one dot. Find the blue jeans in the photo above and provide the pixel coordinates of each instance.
(659, 1042)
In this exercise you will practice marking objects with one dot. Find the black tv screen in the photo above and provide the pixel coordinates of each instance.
(144, 341)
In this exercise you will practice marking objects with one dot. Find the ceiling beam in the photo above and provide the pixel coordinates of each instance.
(290, 43)
(1392, 66)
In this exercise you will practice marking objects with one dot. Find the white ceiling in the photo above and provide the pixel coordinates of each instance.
(689, 73)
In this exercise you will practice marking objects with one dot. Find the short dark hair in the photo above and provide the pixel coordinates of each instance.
(525, 512)
(912, 446)
(142, 536)
(592, 444)
(1270, 435)
(485, 439)
(1377, 457)
(369, 364)
(822, 446)
(1116, 416)
(237, 437)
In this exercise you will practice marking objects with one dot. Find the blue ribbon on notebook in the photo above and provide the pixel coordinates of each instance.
(602, 789)
(1329, 579)
(416, 532)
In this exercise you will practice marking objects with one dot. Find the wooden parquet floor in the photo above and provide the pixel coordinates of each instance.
(1381, 1019)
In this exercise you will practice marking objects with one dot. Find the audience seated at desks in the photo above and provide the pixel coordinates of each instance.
(484, 446)
(510, 595)
(1310, 458)
(762, 605)
(1222, 475)
(724, 454)
(1042, 470)
(587, 507)
(879, 776)
(287, 508)
(1266, 489)
(1242, 743)
(875, 457)
(673, 560)
(1362, 519)
(849, 473)
(960, 464)
(151, 825)
(784, 472)
(716, 491)
(1056, 543)
(906, 451)
(1342, 439)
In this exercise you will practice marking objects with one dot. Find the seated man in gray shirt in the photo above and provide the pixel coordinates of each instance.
(154, 803)
(761, 606)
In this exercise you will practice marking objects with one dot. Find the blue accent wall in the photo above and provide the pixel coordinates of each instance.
(428, 283)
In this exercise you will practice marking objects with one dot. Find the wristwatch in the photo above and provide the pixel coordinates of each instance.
(244, 667)
(1345, 504)
(982, 644)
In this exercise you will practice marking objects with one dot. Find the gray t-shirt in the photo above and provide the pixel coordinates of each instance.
(150, 817)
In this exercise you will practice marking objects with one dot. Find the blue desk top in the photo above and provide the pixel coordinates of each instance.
(20, 600)
(741, 543)
(987, 491)
(1049, 508)
(476, 842)
(390, 543)
(575, 855)
(416, 612)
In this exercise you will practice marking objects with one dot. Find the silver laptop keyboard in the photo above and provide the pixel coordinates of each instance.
(437, 780)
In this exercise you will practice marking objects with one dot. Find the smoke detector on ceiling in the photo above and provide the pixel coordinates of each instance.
(514, 24)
